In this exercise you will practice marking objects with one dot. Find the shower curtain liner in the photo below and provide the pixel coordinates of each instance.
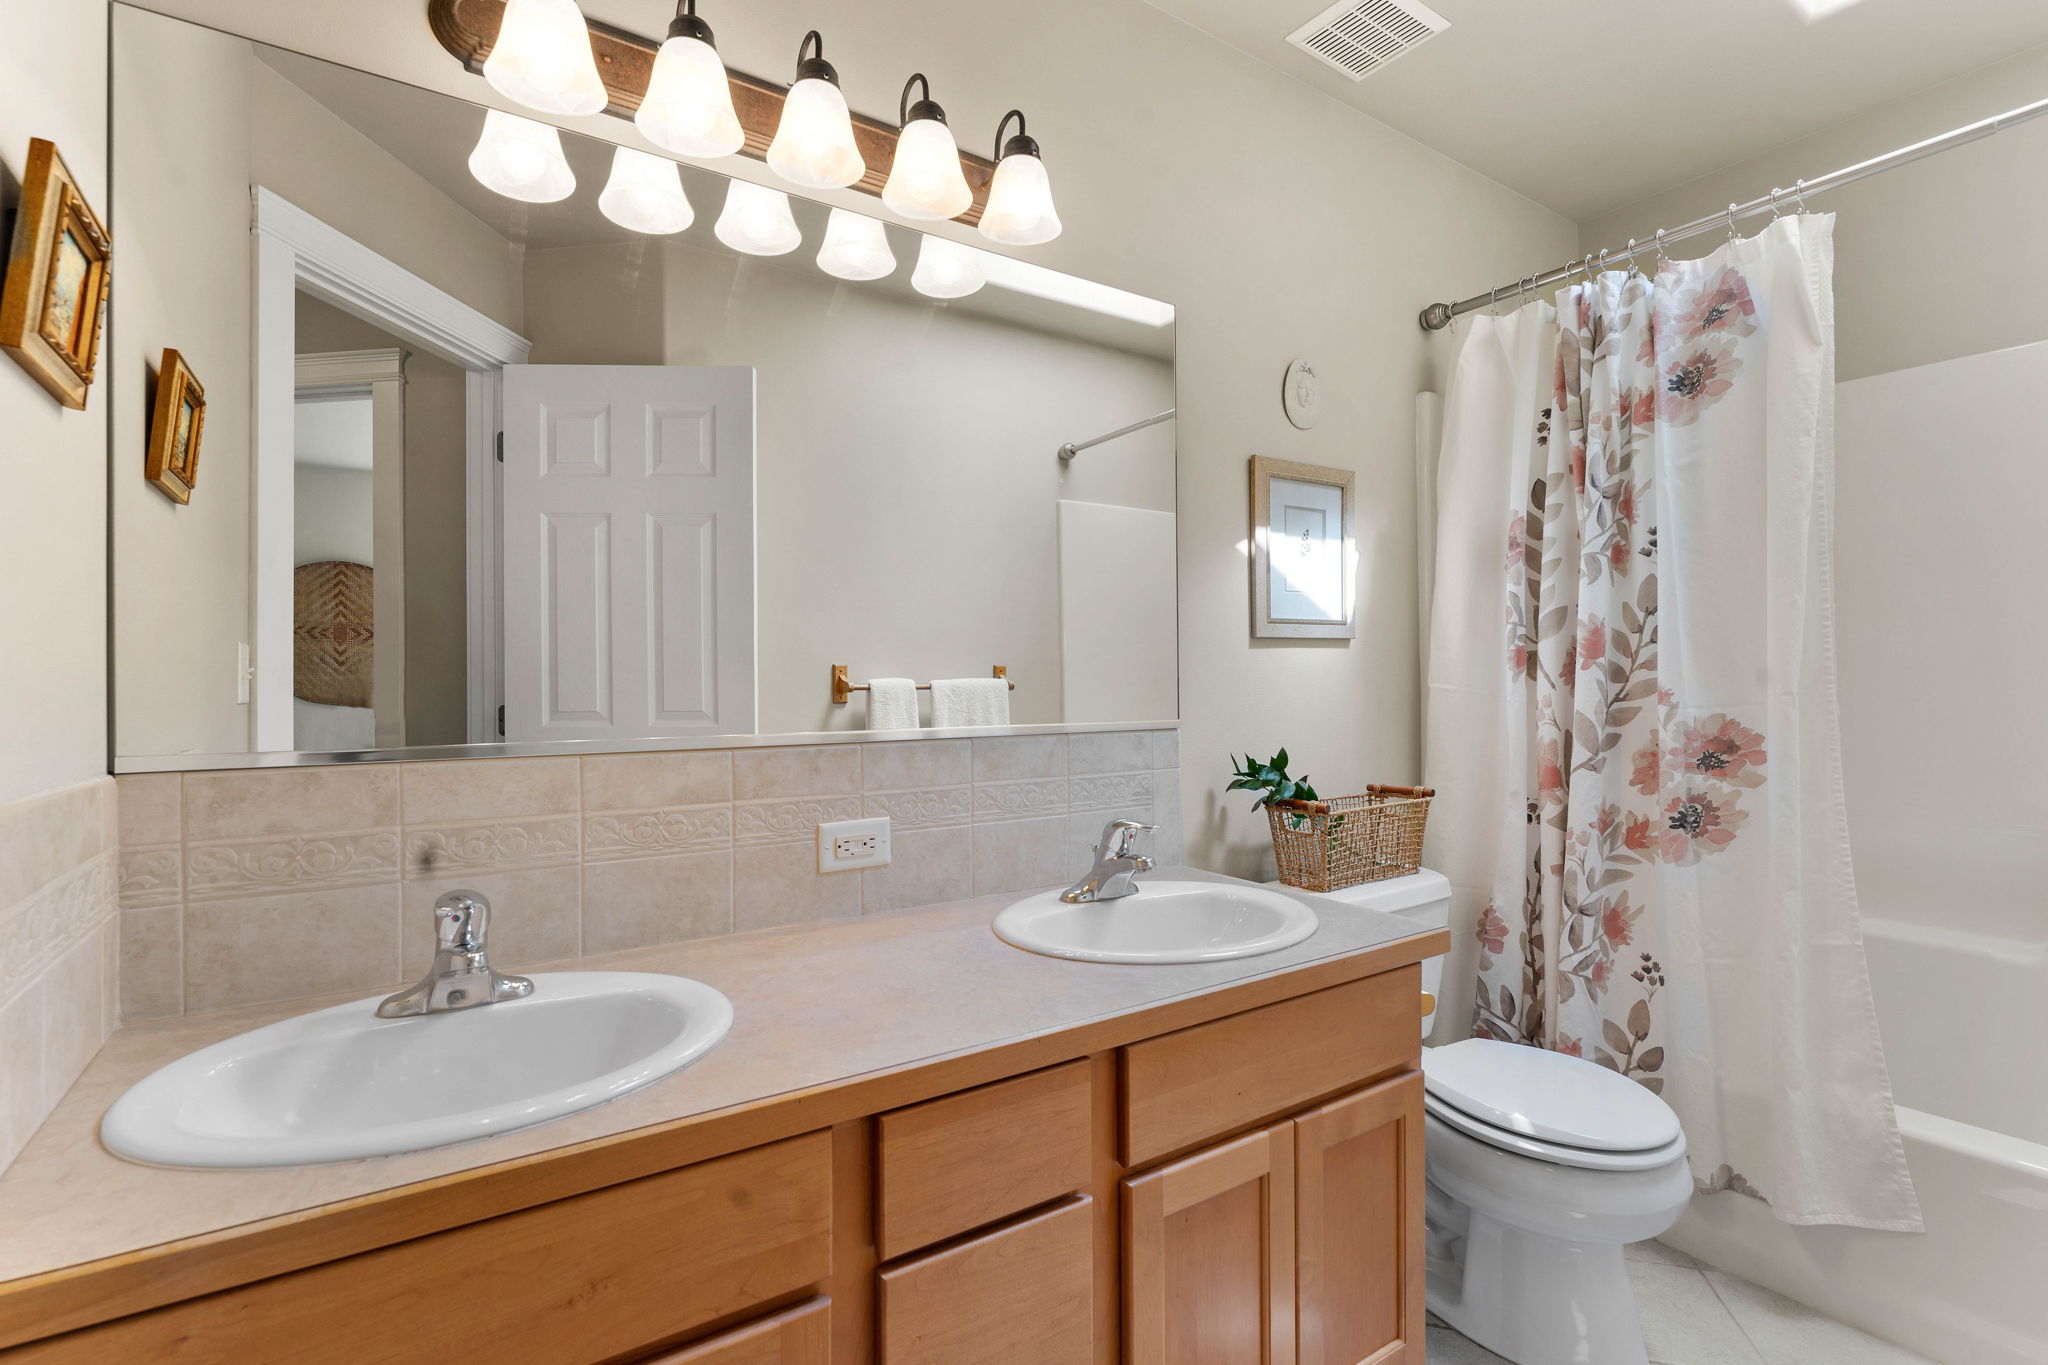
(1632, 721)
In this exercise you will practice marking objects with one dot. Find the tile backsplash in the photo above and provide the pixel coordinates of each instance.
(267, 884)
(57, 948)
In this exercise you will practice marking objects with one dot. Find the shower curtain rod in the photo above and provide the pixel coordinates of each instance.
(1438, 316)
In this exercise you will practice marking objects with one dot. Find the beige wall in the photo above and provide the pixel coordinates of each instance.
(906, 460)
(1279, 221)
(1932, 258)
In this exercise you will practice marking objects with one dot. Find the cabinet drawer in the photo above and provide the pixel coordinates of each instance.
(1214, 1078)
(801, 1336)
(957, 1163)
(1019, 1295)
(575, 1282)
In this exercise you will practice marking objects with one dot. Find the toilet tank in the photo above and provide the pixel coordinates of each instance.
(1422, 898)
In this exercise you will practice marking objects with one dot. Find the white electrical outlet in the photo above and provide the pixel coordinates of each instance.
(844, 845)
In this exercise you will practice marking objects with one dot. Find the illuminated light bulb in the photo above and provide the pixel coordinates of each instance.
(856, 247)
(925, 180)
(521, 159)
(1019, 211)
(645, 194)
(947, 270)
(813, 144)
(688, 105)
(542, 59)
(757, 220)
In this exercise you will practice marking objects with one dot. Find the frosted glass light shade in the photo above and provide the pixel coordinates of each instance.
(947, 270)
(1019, 211)
(521, 159)
(925, 180)
(645, 194)
(856, 247)
(688, 106)
(757, 220)
(543, 59)
(813, 144)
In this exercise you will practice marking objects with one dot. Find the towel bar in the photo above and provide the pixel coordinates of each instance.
(842, 690)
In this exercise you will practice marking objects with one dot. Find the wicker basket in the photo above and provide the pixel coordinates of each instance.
(1325, 845)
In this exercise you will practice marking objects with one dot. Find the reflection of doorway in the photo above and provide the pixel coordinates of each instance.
(348, 508)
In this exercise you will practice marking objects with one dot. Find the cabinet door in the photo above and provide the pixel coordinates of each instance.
(1358, 1218)
(1209, 1256)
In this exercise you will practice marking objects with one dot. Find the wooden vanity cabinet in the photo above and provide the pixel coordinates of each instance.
(800, 1336)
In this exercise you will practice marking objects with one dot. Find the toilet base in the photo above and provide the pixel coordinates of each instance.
(1536, 1299)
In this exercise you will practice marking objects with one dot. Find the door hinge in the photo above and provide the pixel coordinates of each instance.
(501, 722)
(501, 447)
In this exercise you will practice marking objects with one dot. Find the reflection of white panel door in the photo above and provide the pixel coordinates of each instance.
(628, 551)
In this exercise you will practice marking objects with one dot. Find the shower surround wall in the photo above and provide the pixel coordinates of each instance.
(268, 884)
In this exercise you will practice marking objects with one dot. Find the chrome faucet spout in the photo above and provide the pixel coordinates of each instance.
(461, 977)
(1117, 864)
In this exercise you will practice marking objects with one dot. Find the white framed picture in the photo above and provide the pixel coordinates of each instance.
(1304, 556)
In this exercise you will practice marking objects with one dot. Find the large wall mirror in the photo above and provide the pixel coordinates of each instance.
(481, 472)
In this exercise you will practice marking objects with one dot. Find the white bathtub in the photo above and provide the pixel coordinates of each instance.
(1965, 1021)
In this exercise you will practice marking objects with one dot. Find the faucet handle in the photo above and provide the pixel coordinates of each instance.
(1120, 838)
(462, 921)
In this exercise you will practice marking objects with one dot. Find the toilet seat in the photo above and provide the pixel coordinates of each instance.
(1549, 1106)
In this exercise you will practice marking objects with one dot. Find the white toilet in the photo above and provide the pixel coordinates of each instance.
(1539, 1169)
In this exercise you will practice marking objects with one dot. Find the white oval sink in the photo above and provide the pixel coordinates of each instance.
(341, 1083)
(1161, 922)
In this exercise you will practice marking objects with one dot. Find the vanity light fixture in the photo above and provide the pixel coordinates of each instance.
(1019, 211)
(543, 59)
(925, 180)
(813, 144)
(947, 270)
(645, 194)
(856, 247)
(521, 159)
(757, 220)
(688, 105)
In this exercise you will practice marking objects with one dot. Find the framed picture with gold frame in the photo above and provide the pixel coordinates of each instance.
(53, 304)
(175, 426)
(1304, 551)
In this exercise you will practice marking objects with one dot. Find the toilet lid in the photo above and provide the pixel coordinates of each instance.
(1547, 1096)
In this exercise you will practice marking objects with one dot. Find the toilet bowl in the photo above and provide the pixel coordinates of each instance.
(1538, 1169)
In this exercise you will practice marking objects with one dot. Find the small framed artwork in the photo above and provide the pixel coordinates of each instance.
(1304, 555)
(176, 425)
(53, 304)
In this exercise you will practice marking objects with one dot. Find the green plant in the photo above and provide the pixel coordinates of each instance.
(1270, 777)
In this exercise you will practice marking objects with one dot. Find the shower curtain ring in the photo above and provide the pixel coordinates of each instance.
(1662, 259)
(1775, 192)
(1632, 267)
(1602, 265)
(1731, 222)
(1799, 194)
(1493, 301)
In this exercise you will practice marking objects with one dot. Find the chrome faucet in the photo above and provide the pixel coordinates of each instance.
(1117, 864)
(461, 977)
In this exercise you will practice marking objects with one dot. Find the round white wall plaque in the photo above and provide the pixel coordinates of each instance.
(1301, 394)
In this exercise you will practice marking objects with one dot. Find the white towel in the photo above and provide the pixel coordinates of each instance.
(970, 701)
(892, 704)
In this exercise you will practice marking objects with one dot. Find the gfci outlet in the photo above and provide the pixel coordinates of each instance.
(844, 845)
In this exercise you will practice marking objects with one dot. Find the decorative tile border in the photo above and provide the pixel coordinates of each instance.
(152, 876)
(1020, 800)
(1106, 791)
(932, 809)
(492, 846)
(41, 929)
(266, 867)
(789, 822)
(652, 833)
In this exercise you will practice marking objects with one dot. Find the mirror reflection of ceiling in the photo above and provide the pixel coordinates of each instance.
(433, 136)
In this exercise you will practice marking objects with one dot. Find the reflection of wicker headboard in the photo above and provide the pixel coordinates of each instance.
(333, 632)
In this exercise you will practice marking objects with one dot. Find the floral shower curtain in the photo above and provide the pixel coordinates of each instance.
(1632, 717)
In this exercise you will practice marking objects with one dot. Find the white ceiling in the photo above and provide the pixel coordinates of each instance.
(334, 432)
(1586, 105)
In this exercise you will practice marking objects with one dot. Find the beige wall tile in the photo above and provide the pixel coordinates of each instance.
(916, 763)
(655, 833)
(1166, 748)
(492, 846)
(921, 809)
(152, 876)
(250, 803)
(239, 952)
(789, 821)
(21, 1071)
(640, 901)
(1019, 800)
(152, 963)
(926, 866)
(74, 1015)
(1111, 792)
(824, 770)
(309, 862)
(149, 808)
(43, 837)
(1170, 843)
(780, 884)
(1020, 855)
(536, 916)
(491, 789)
(644, 781)
(1011, 757)
(1115, 752)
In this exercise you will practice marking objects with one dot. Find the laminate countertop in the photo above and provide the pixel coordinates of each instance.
(816, 1006)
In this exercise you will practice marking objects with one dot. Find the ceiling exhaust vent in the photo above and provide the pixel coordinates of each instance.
(1358, 37)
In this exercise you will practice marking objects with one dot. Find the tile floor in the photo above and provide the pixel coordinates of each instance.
(1693, 1315)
